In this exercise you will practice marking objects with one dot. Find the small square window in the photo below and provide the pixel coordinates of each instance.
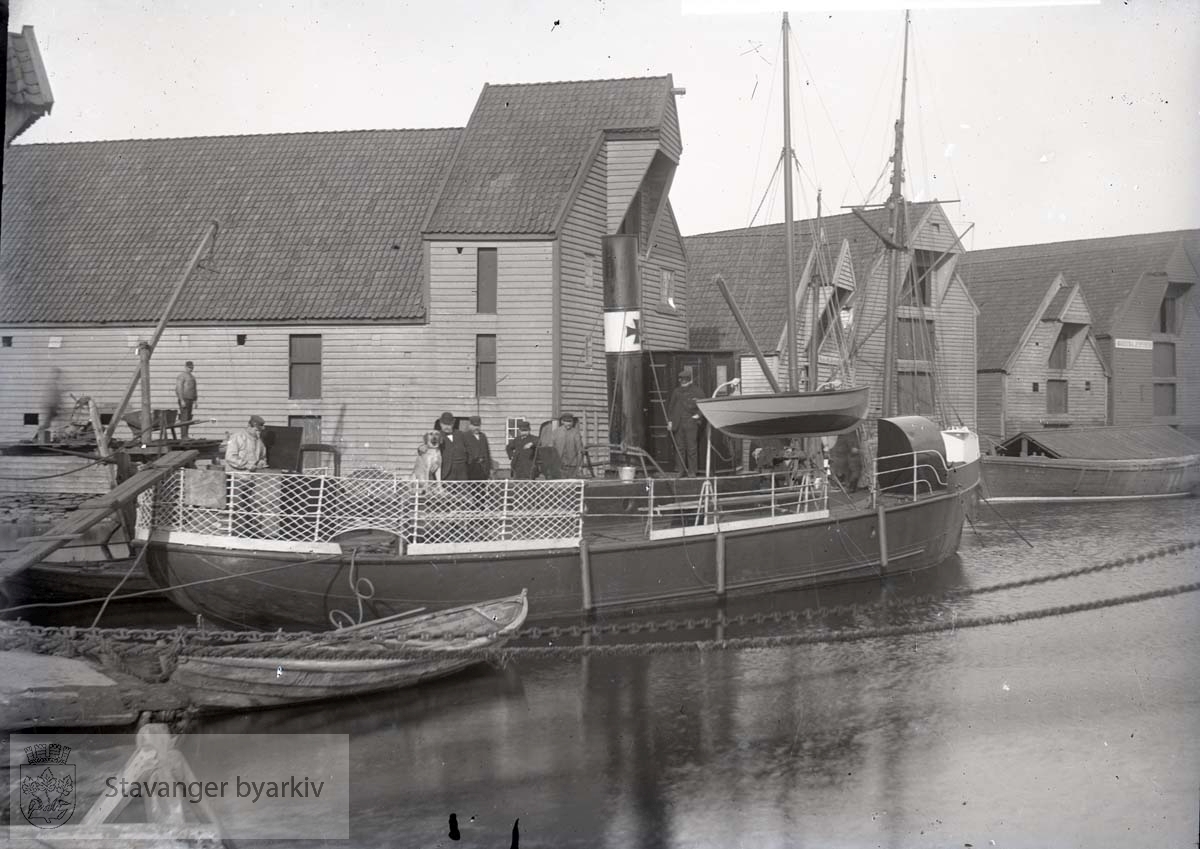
(241, 338)
(31, 418)
(1087, 386)
(6, 341)
(1035, 387)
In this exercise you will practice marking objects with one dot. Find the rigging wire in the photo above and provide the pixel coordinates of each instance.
(763, 135)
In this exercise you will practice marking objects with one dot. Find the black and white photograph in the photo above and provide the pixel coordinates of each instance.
(680, 424)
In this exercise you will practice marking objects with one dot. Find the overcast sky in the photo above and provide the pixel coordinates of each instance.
(1047, 123)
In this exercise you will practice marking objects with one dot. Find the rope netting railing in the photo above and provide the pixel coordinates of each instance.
(319, 508)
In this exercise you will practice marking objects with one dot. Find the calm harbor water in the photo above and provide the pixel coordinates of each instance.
(1070, 730)
(1078, 730)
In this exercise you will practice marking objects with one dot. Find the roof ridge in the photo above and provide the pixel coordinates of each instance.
(1157, 233)
(663, 77)
(758, 227)
(242, 136)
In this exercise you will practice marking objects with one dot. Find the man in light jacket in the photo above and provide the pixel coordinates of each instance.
(246, 452)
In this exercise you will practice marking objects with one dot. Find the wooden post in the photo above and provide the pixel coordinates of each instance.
(585, 575)
(101, 440)
(720, 563)
(881, 517)
(147, 427)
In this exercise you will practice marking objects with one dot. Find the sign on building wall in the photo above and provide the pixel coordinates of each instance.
(1135, 344)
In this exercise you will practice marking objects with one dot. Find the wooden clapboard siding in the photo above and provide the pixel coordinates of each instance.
(49, 473)
(523, 326)
(870, 306)
(1187, 364)
(382, 386)
(935, 233)
(672, 142)
(1132, 386)
(954, 328)
(753, 380)
(581, 285)
(990, 389)
(1132, 370)
(626, 166)
(1076, 311)
(1026, 409)
(665, 328)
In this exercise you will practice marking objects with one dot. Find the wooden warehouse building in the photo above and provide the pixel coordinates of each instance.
(361, 282)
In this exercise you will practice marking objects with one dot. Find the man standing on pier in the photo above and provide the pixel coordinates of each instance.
(683, 419)
(454, 450)
(479, 452)
(185, 393)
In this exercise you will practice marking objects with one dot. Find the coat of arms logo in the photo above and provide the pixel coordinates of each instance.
(47, 785)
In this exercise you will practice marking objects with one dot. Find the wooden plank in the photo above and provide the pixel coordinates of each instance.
(93, 511)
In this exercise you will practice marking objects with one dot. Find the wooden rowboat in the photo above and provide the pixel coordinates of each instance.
(286, 672)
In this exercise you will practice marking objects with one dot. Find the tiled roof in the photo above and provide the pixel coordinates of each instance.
(524, 145)
(26, 83)
(753, 262)
(1111, 443)
(1007, 284)
(319, 226)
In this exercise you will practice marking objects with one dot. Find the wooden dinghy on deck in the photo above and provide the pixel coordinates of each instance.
(286, 672)
(787, 414)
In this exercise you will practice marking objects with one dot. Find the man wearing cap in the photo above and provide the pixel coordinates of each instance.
(246, 452)
(454, 450)
(683, 420)
(522, 452)
(185, 393)
(479, 452)
(569, 445)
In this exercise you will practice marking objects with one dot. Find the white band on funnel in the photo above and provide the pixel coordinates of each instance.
(623, 332)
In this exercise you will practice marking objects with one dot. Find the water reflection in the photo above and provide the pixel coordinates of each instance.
(941, 739)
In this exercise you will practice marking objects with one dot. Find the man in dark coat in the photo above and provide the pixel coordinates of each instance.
(479, 452)
(683, 420)
(454, 450)
(522, 452)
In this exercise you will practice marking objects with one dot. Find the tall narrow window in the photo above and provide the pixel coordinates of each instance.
(919, 283)
(589, 270)
(1164, 399)
(1164, 359)
(1058, 354)
(915, 339)
(666, 295)
(304, 366)
(915, 393)
(1056, 397)
(1167, 318)
(485, 280)
(485, 366)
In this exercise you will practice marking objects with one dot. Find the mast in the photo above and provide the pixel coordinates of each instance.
(815, 285)
(897, 232)
(790, 287)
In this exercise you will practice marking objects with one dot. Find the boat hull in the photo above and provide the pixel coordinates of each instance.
(786, 414)
(1046, 479)
(253, 588)
(280, 674)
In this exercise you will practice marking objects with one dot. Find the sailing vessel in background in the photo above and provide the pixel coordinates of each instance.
(818, 410)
